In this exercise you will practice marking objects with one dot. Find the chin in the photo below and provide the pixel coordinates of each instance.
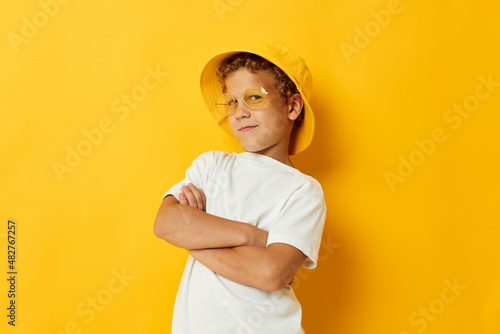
(249, 146)
(252, 149)
(255, 148)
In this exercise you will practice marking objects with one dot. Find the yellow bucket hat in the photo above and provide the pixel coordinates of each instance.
(290, 63)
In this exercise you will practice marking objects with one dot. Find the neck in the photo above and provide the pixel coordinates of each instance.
(279, 155)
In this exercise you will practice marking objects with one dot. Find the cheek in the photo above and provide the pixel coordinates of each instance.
(278, 122)
(232, 124)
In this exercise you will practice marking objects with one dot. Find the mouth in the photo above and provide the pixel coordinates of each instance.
(247, 128)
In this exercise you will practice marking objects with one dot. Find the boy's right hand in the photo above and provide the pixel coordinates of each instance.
(194, 197)
(260, 238)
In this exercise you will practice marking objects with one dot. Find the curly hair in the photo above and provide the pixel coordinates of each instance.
(252, 62)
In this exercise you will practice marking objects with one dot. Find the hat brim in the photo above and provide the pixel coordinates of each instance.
(300, 138)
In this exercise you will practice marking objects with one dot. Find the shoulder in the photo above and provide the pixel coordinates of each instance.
(212, 159)
(212, 156)
(307, 184)
(311, 187)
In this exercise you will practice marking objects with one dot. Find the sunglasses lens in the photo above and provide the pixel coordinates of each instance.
(255, 97)
(224, 104)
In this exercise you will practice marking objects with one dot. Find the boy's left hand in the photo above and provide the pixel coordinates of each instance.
(194, 197)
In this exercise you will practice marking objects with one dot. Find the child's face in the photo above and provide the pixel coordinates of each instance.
(266, 130)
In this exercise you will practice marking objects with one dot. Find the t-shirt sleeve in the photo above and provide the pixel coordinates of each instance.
(196, 174)
(301, 222)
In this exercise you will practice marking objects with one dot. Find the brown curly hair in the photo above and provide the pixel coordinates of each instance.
(252, 62)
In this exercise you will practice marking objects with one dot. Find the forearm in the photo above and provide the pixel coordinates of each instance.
(186, 227)
(243, 264)
(266, 268)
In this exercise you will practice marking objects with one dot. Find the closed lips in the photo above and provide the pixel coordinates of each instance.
(247, 128)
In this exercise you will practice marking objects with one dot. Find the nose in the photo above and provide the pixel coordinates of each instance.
(241, 111)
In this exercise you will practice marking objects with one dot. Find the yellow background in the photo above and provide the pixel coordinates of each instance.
(389, 251)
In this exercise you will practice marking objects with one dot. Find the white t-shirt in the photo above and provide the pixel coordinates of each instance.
(275, 197)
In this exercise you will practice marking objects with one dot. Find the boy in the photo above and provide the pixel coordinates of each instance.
(249, 220)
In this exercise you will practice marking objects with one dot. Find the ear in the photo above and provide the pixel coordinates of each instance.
(295, 104)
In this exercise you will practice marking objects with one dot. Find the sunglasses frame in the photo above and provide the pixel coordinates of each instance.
(235, 101)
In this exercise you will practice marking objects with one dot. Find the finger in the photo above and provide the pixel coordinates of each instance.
(204, 198)
(182, 198)
(196, 192)
(191, 199)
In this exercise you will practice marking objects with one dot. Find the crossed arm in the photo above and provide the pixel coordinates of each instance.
(233, 249)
